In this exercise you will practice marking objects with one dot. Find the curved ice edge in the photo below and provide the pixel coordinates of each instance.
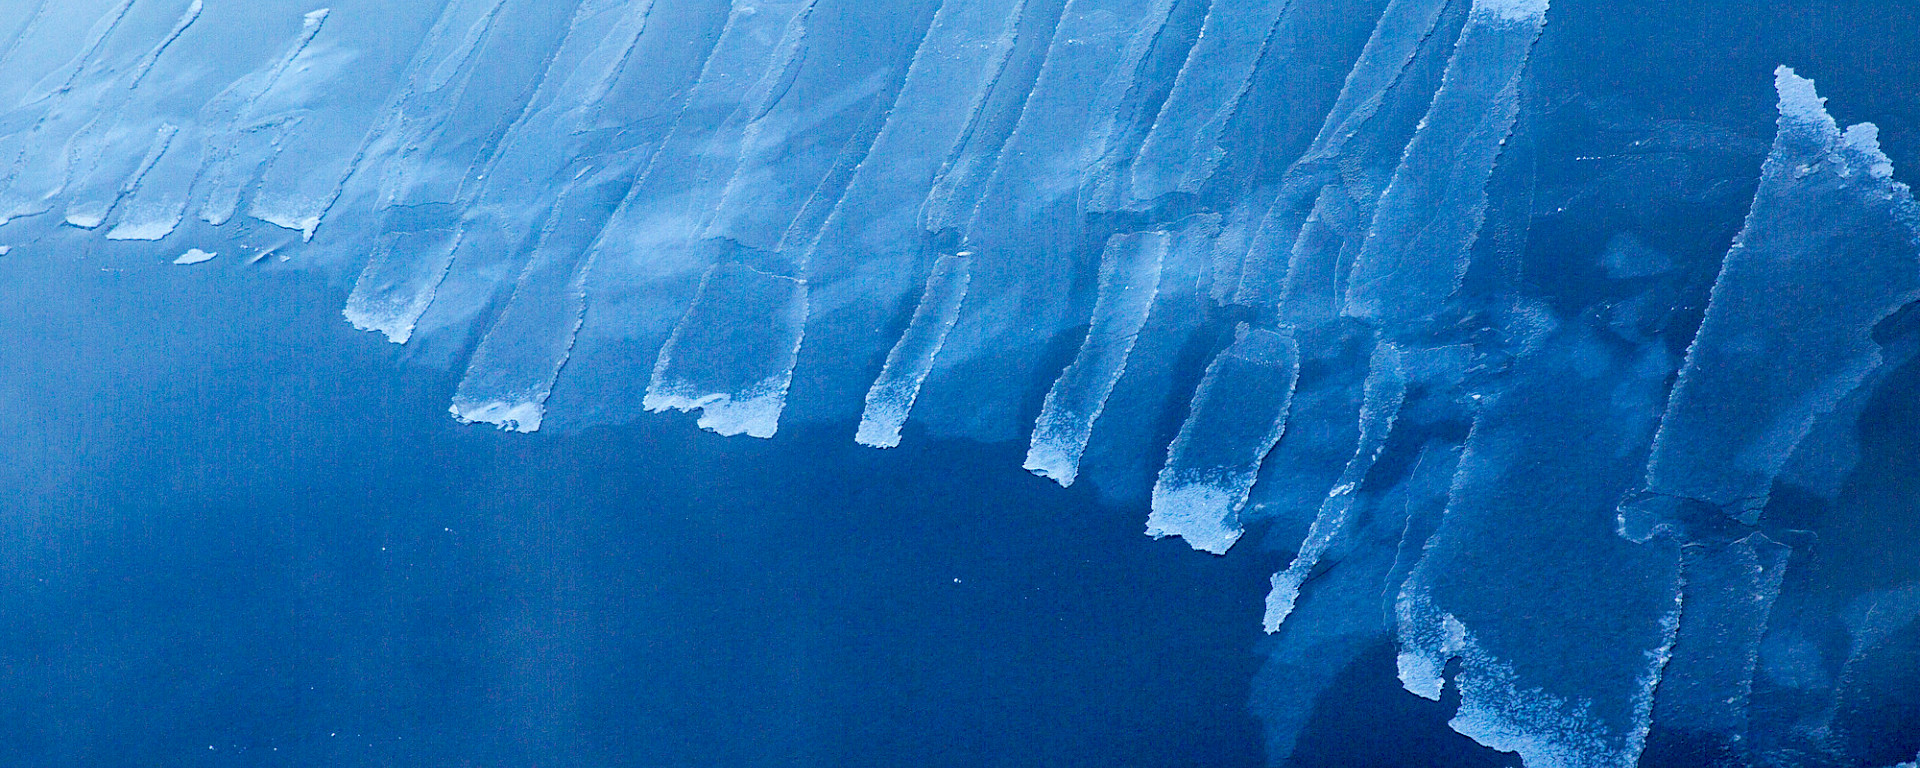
(512, 417)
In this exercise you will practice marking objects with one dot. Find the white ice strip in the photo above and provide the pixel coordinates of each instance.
(88, 209)
(194, 256)
(788, 151)
(1404, 27)
(309, 172)
(512, 371)
(397, 283)
(44, 42)
(1237, 415)
(1183, 148)
(417, 153)
(732, 356)
(147, 62)
(1230, 248)
(891, 398)
(205, 158)
(1386, 389)
(94, 166)
(1424, 226)
(878, 216)
(1827, 252)
(1729, 595)
(1129, 282)
(246, 123)
(1070, 114)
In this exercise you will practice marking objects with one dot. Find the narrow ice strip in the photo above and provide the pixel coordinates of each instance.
(1183, 148)
(891, 398)
(648, 264)
(1404, 27)
(62, 80)
(145, 66)
(1027, 222)
(38, 161)
(89, 162)
(993, 114)
(416, 153)
(732, 356)
(1828, 251)
(512, 371)
(1425, 224)
(1129, 281)
(1386, 389)
(311, 166)
(1237, 415)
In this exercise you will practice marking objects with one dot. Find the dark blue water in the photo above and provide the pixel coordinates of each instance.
(237, 532)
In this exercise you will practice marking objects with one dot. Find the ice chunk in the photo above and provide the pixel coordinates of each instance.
(732, 355)
(194, 256)
(892, 395)
(1129, 280)
(1386, 389)
(1237, 415)
(1828, 250)
(1424, 227)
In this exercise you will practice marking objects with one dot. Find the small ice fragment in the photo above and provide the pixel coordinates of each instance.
(194, 256)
